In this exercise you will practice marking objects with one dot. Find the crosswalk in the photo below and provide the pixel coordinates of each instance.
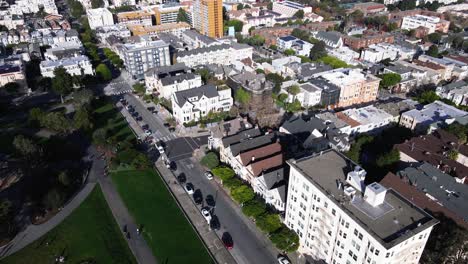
(159, 137)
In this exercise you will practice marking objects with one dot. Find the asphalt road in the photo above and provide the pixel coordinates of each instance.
(248, 247)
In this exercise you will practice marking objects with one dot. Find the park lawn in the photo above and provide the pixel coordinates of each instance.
(88, 233)
(165, 228)
(107, 116)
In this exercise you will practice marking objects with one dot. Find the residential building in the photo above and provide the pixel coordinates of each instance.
(345, 54)
(135, 18)
(166, 80)
(382, 51)
(332, 39)
(193, 104)
(289, 8)
(99, 17)
(194, 40)
(300, 47)
(340, 219)
(118, 30)
(64, 50)
(173, 28)
(421, 119)
(423, 75)
(224, 129)
(244, 140)
(368, 8)
(224, 54)
(119, 3)
(431, 190)
(330, 94)
(79, 65)
(457, 92)
(12, 73)
(368, 119)
(396, 107)
(207, 17)
(356, 86)
(271, 185)
(369, 38)
(309, 95)
(167, 12)
(432, 24)
(271, 34)
(445, 67)
(142, 56)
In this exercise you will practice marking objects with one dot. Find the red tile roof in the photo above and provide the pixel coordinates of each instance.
(260, 166)
(259, 153)
(419, 198)
(348, 120)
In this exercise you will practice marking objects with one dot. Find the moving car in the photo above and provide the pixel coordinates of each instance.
(209, 175)
(160, 148)
(206, 214)
(283, 260)
(227, 240)
(189, 188)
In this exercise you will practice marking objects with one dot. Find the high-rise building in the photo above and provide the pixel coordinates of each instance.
(207, 17)
(340, 219)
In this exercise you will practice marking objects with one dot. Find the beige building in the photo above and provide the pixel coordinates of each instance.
(11, 73)
(173, 28)
(208, 17)
(356, 86)
(135, 18)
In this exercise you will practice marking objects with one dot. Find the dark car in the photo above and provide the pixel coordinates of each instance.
(210, 200)
(146, 126)
(198, 196)
(131, 110)
(171, 129)
(150, 108)
(167, 125)
(181, 178)
(135, 114)
(139, 118)
(214, 223)
(227, 240)
(172, 166)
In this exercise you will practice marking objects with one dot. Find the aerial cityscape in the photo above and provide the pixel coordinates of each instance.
(234, 131)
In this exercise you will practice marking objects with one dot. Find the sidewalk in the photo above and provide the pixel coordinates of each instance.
(211, 240)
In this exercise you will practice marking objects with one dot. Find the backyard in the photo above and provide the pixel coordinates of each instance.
(90, 233)
(165, 228)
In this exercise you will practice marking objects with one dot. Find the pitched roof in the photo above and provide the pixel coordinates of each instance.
(331, 36)
(259, 153)
(410, 192)
(208, 90)
(274, 178)
(299, 124)
(241, 136)
(251, 143)
(265, 164)
(178, 78)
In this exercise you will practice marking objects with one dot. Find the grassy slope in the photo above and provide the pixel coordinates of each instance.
(168, 233)
(90, 232)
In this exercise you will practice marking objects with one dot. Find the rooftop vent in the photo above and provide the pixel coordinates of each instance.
(375, 194)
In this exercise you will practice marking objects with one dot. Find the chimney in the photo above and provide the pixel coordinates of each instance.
(253, 158)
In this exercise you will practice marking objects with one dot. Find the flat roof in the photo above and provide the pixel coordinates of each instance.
(400, 220)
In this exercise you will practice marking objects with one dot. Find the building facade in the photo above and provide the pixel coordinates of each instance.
(79, 65)
(207, 17)
(99, 17)
(432, 24)
(135, 18)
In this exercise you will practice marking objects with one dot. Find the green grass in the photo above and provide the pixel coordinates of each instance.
(165, 228)
(107, 116)
(334, 62)
(89, 233)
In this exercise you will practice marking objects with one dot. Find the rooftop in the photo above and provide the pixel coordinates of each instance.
(252, 143)
(143, 45)
(261, 165)
(434, 112)
(259, 153)
(208, 90)
(440, 187)
(241, 136)
(367, 115)
(133, 15)
(391, 223)
(344, 76)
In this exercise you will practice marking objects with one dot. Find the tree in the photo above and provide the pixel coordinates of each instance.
(434, 37)
(406, 5)
(64, 178)
(357, 15)
(460, 131)
(452, 154)
(240, 6)
(253, 208)
(62, 83)
(82, 119)
(427, 97)
(289, 52)
(232, 183)
(141, 161)
(273, 47)
(242, 96)
(294, 90)
(182, 16)
(354, 152)
(210, 160)
(103, 72)
(139, 88)
(388, 159)
(318, 51)
(389, 79)
(57, 122)
(25, 146)
(223, 172)
(285, 239)
(54, 199)
(82, 97)
(97, 3)
(270, 6)
(100, 136)
(12, 87)
(242, 194)
(299, 14)
(268, 223)
(204, 74)
(433, 51)
(392, 26)
(35, 115)
(76, 8)
(237, 24)
(6, 218)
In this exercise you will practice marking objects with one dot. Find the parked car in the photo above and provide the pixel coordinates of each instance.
(139, 118)
(210, 200)
(283, 260)
(214, 223)
(129, 107)
(145, 126)
(160, 148)
(198, 196)
(206, 214)
(189, 188)
(167, 125)
(209, 175)
(135, 114)
(148, 132)
(181, 178)
(131, 110)
(227, 240)
(172, 129)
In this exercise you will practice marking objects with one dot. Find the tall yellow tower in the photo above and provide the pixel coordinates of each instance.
(208, 17)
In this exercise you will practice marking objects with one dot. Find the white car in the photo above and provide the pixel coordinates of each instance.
(188, 188)
(208, 175)
(283, 260)
(128, 107)
(206, 213)
(160, 148)
(148, 132)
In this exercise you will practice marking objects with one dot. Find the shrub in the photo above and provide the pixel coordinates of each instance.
(210, 160)
(285, 239)
(232, 183)
(268, 223)
(242, 194)
(224, 173)
(254, 208)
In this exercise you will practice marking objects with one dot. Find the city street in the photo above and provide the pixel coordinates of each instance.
(249, 243)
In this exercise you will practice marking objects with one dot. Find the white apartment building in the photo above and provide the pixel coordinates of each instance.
(289, 8)
(299, 46)
(365, 119)
(118, 3)
(114, 30)
(21, 7)
(169, 79)
(457, 92)
(413, 22)
(224, 54)
(142, 56)
(79, 65)
(309, 95)
(99, 17)
(193, 104)
(341, 220)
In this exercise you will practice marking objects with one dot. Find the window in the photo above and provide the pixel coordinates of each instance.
(377, 252)
(333, 212)
(326, 205)
(387, 255)
(347, 225)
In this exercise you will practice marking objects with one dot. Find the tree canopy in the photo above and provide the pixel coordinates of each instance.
(103, 72)
(223, 172)
(318, 51)
(242, 194)
(433, 51)
(268, 223)
(389, 79)
(62, 83)
(210, 160)
(285, 239)
(434, 37)
(242, 96)
(182, 16)
(254, 208)
(237, 24)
